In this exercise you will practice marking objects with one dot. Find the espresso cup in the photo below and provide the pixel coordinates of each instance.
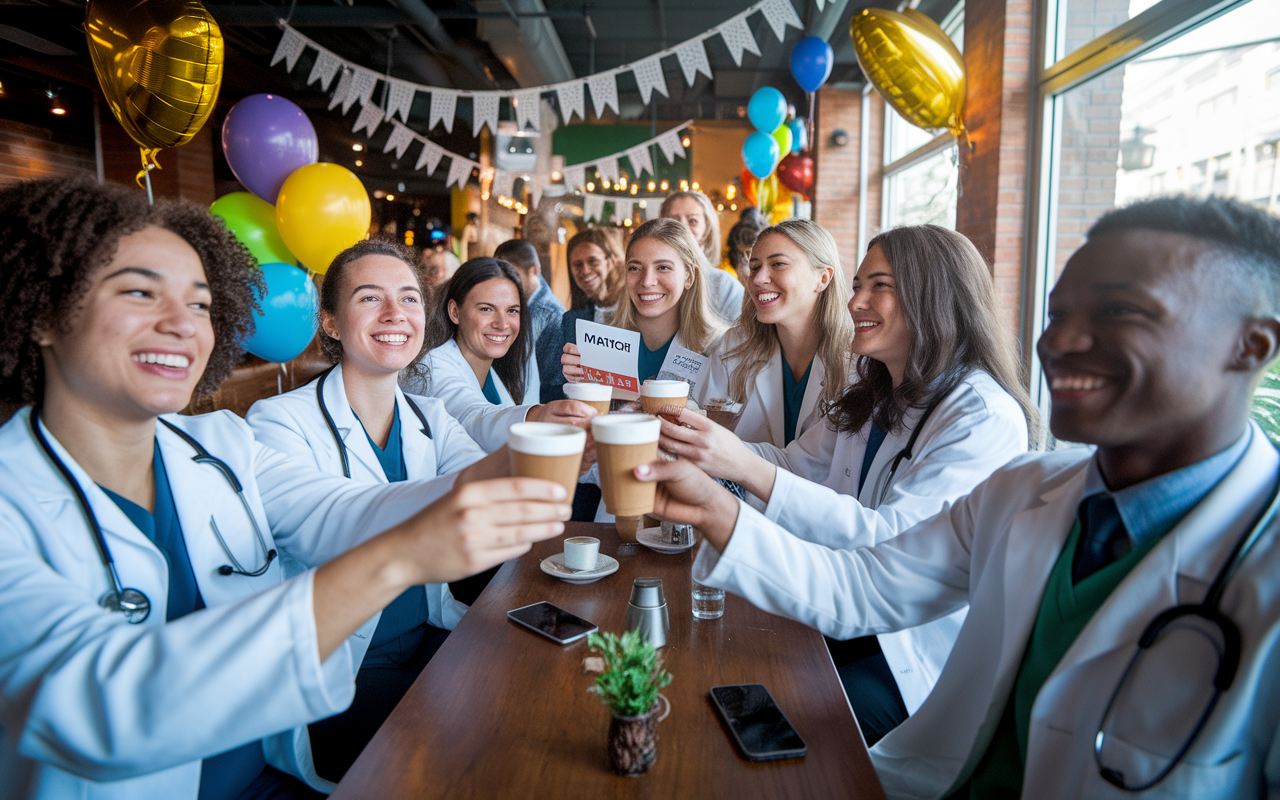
(581, 552)
(655, 395)
(596, 395)
(624, 442)
(549, 451)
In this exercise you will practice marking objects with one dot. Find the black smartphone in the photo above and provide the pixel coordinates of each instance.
(760, 729)
(552, 621)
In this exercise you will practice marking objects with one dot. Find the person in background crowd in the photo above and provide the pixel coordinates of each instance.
(438, 266)
(597, 281)
(936, 375)
(696, 211)
(149, 645)
(545, 310)
(741, 236)
(480, 361)
(1073, 676)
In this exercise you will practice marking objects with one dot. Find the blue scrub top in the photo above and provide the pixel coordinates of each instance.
(226, 775)
(491, 391)
(792, 399)
(875, 438)
(651, 360)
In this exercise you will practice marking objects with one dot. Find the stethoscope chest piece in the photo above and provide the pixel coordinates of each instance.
(135, 605)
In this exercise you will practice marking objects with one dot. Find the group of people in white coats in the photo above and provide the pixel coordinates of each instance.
(197, 607)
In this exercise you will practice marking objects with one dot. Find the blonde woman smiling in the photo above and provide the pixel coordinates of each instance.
(695, 210)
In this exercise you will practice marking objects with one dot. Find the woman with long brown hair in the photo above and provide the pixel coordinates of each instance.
(936, 405)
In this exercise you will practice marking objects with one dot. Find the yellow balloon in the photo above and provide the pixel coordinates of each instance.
(913, 65)
(782, 205)
(783, 137)
(766, 194)
(322, 209)
(160, 66)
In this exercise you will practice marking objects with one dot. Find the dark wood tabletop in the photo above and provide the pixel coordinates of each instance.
(501, 712)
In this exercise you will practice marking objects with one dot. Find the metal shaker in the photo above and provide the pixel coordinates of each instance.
(647, 611)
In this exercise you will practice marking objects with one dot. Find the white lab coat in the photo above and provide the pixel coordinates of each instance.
(994, 549)
(94, 707)
(972, 433)
(292, 424)
(763, 414)
(724, 292)
(449, 377)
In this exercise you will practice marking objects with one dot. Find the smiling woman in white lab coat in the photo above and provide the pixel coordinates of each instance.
(354, 421)
(149, 645)
(936, 407)
(792, 334)
(481, 363)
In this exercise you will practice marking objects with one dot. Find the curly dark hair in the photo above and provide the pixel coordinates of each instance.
(331, 288)
(56, 233)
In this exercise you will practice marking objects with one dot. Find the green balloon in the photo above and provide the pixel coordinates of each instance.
(783, 136)
(253, 221)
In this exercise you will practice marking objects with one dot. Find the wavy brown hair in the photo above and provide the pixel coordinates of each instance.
(56, 233)
(949, 303)
(615, 281)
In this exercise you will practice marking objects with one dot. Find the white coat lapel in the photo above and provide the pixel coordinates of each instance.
(419, 450)
(812, 391)
(353, 435)
(768, 391)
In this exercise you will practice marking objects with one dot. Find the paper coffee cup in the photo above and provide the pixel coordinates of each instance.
(547, 450)
(596, 395)
(655, 395)
(623, 442)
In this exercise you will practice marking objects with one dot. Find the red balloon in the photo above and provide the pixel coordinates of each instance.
(795, 171)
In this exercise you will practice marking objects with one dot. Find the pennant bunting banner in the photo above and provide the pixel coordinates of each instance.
(324, 69)
(504, 184)
(444, 104)
(575, 177)
(671, 145)
(592, 207)
(344, 86)
(289, 49)
(399, 140)
(604, 92)
(460, 171)
(400, 100)
(737, 37)
(484, 111)
(693, 59)
(779, 14)
(572, 100)
(608, 169)
(624, 209)
(430, 155)
(641, 160)
(649, 76)
(652, 208)
(526, 102)
(370, 118)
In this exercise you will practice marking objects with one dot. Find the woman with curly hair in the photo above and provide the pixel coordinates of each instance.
(151, 645)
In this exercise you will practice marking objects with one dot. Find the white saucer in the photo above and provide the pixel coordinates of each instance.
(653, 539)
(554, 566)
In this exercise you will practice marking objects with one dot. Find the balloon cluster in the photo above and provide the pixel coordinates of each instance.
(295, 210)
(773, 156)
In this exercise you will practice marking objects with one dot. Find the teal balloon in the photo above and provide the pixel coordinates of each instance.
(760, 154)
(287, 322)
(252, 220)
(799, 136)
(767, 109)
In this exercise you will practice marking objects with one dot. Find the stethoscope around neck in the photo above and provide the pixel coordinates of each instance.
(337, 435)
(134, 603)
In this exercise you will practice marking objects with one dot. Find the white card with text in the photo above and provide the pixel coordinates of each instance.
(610, 356)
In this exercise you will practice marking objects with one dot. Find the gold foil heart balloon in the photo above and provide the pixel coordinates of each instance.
(914, 66)
(160, 66)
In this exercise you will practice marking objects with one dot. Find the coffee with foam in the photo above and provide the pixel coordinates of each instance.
(548, 451)
(623, 442)
(596, 395)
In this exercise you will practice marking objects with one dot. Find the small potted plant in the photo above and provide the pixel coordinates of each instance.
(629, 686)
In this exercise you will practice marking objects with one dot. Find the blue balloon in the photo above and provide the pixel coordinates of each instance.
(287, 322)
(799, 136)
(760, 154)
(811, 62)
(767, 109)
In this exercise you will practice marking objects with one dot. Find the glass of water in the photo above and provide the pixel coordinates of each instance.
(708, 602)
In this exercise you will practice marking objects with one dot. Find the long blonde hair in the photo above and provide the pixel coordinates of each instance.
(698, 326)
(758, 340)
(710, 244)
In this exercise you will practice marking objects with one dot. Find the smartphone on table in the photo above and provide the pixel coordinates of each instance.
(552, 621)
(759, 728)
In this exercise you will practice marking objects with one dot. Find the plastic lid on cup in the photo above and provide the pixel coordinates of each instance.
(546, 439)
(653, 388)
(588, 392)
(626, 428)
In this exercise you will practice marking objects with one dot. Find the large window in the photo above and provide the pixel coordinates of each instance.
(1193, 108)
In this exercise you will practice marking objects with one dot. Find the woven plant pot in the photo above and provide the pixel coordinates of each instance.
(633, 741)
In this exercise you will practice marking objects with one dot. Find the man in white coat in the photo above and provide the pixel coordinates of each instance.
(1159, 329)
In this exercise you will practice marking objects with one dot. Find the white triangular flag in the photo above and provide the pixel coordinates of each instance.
(484, 111)
(504, 184)
(652, 208)
(592, 207)
(572, 101)
(671, 146)
(641, 160)
(344, 88)
(460, 172)
(324, 69)
(362, 85)
(399, 140)
(290, 47)
(604, 91)
(820, 3)
(526, 102)
(649, 77)
(401, 99)
(370, 118)
(624, 209)
(575, 177)
(608, 169)
(444, 106)
(779, 14)
(430, 156)
(737, 37)
(693, 59)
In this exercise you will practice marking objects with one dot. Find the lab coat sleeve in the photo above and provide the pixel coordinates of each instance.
(455, 449)
(914, 578)
(484, 422)
(962, 450)
(809, 455)
(83, 690)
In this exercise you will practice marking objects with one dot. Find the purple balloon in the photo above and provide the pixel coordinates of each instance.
(266, 138)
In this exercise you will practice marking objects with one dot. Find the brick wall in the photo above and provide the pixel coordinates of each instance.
(186, 172)
(838, 169)
(29, 151)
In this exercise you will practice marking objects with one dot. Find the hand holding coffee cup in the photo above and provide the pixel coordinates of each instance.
(596, 395)
(547, 450)
(623, 442)
(656, 396)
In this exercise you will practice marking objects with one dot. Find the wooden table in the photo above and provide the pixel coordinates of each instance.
(501, 712)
